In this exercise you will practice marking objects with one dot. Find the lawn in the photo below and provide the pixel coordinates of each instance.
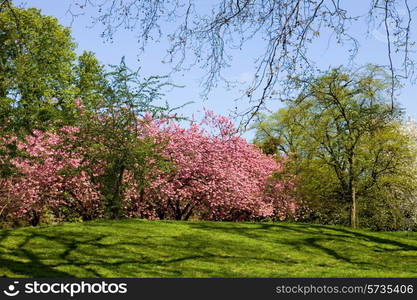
(141, 248)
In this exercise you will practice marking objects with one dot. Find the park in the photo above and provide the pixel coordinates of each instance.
(116, 163)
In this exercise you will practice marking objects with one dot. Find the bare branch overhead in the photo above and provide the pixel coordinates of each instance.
(205, 34)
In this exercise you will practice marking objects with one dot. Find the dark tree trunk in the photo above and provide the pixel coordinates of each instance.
(36, 218)
(115, 205)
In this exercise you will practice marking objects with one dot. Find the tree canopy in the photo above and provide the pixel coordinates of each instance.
(347, 147)
(36, 61)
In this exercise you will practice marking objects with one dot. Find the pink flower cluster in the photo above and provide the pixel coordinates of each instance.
(215, 176)
(47, 179)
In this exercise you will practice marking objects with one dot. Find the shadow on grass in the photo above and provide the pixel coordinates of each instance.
(25, 262)
(73, 254)
(315, 237)
(124, 249)
(308, 229)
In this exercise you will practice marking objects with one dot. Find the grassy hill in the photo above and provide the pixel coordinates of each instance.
(141, 248)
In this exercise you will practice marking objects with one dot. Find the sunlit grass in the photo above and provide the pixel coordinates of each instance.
(141, 248)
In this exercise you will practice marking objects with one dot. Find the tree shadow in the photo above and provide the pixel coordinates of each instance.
(77, 251)
(33, 268)
(314, 237)
(100, 252)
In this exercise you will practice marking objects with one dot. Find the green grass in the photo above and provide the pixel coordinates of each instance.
(141, 248)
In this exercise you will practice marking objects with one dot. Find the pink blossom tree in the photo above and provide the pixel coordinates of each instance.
(217, 176)
(46, 179)
(212, 175)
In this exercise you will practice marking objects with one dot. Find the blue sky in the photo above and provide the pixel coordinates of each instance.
(220, 100)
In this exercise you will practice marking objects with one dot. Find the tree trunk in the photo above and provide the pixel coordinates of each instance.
(36, 218)
(352, 191)
(115, 205)
(178, 212)
(353, 209)
(190, 209)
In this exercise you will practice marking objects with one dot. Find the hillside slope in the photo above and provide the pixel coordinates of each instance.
(141, 248)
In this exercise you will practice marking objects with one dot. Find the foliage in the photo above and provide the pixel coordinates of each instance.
(348, 151)
(95, 144)
(117, 165)
(41, 85)
(44, 183)
(40, 74)
(217, 176)
(36, 61)
(113, 132)
(39, 78)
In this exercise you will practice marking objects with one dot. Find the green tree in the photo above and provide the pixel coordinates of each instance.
(90, 79)
(345, 143)
(36, 62)
(43, 84)
(111, 129)
(40, 77)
